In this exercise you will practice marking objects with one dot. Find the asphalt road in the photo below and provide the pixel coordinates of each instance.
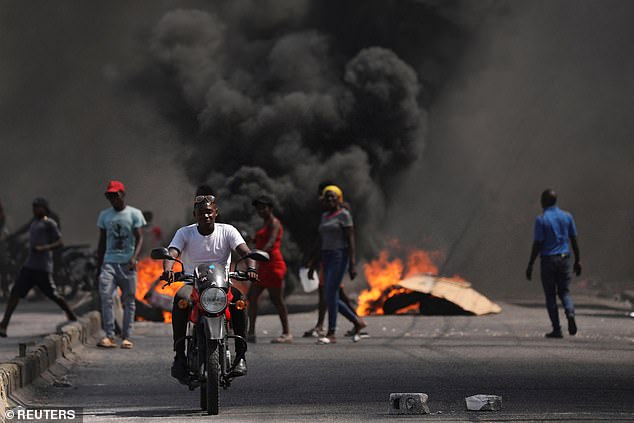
(588, 377)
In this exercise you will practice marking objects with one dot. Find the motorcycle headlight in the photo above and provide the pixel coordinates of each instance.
(213, 300)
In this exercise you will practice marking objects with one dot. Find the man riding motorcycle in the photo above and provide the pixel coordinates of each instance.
(201, 243)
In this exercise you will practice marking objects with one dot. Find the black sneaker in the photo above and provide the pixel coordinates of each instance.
(554, 334)
(572, 325)
(179, 369)
(239, 368)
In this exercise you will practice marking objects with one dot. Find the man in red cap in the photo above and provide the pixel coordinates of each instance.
(120, 241)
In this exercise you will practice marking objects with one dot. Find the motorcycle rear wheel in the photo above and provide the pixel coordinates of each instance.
(213, 377)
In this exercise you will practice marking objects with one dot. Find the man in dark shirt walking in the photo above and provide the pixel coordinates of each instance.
(553, 230)
(37, 271)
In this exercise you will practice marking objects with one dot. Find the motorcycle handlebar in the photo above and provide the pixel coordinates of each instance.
(178, 277)
(239, 275)
(188, 278)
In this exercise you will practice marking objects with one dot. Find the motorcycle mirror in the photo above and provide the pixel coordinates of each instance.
(258, 255)
(161, 254)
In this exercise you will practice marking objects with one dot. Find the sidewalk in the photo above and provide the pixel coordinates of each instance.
(30, 323)
(47, 336)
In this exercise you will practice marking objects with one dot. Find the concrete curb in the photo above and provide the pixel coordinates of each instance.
(22, 371)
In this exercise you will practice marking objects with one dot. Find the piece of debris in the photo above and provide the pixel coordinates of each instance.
(408, 403)
(446, 296)
(62, 383)
(483, 402)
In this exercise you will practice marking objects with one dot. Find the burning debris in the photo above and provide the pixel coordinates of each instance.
(153, 302)
(416, 288)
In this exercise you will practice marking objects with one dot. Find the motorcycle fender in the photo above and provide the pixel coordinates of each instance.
(214, 327)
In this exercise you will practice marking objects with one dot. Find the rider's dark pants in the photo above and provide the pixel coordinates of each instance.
(180, 316)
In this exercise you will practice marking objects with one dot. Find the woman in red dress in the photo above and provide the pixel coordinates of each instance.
(271, 274)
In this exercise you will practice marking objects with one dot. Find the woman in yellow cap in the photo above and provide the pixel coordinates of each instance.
(338, 249)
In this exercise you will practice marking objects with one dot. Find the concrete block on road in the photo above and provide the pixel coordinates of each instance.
(408, 403)
(483, 402)
(51, 349)
(71, 334)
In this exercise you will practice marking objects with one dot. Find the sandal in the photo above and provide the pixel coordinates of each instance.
(106, 342)
(283, 339)
(313, 333)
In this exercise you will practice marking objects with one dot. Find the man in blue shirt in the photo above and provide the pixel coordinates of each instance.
(553, 229)
(120, 242)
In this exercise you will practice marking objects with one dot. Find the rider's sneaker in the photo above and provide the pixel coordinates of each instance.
(179, 369)
(239, 368)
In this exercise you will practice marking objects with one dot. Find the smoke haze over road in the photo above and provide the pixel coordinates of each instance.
(542, 100)
(442, 121)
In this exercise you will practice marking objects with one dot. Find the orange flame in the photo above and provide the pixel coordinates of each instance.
(148, 272)
(383, 274)
(420, 261)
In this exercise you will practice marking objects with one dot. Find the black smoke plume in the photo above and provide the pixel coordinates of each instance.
(273, 97)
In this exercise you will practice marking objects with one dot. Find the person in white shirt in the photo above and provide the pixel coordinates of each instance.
(206, 242)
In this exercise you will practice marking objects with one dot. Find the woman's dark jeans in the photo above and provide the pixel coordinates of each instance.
(335, 263)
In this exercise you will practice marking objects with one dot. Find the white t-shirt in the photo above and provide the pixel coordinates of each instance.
(215, 248)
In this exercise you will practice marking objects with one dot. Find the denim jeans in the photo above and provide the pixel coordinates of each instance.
(111, 277)
(555, 273)
(335, 263)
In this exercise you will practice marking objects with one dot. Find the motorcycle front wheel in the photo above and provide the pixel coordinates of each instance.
(213, 377)
(199, 361)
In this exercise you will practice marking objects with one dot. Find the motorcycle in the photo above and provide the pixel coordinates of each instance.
(209, 326)
(74, 269)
